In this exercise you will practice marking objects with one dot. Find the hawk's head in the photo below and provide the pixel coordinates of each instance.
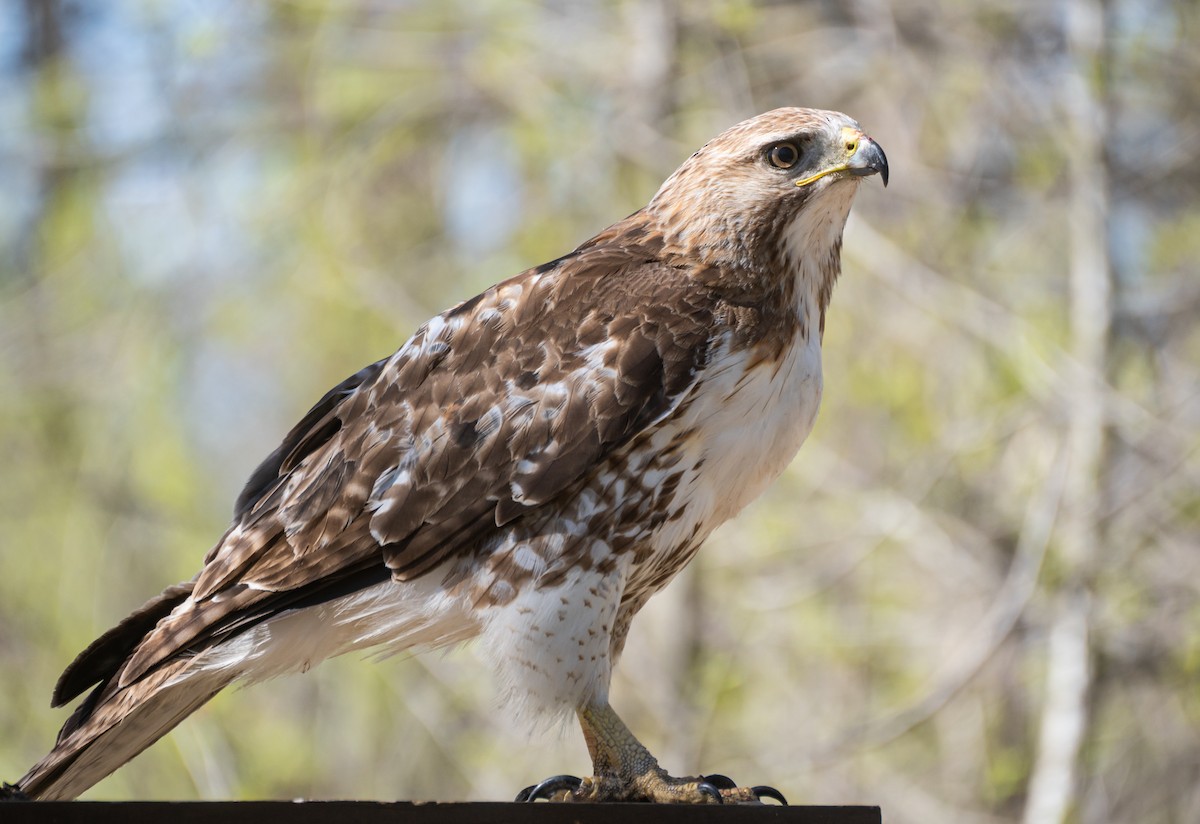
(769, 193)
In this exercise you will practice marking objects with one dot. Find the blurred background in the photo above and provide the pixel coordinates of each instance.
(972, 598)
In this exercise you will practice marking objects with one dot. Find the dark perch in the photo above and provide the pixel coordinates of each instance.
(370, 812)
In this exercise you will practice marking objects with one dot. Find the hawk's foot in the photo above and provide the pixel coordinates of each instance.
(655, 787)
(626, 771)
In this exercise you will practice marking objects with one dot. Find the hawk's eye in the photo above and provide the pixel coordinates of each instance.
(783, 155)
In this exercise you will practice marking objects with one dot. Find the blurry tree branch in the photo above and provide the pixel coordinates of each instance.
(985, 639)
(1065, 718)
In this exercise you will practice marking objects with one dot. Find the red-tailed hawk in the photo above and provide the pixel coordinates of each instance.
(529, 468)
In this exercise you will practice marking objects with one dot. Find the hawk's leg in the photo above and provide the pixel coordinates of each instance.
(626, 771)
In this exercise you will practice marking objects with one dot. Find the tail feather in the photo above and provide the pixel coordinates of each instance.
(100, 738)
(122, 716)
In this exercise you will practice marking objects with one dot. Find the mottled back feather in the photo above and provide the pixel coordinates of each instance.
(418, 456)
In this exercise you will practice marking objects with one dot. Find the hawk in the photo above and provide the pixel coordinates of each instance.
(528, 469)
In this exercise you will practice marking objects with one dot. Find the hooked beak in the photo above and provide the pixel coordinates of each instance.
(868, 159)
(863, 157)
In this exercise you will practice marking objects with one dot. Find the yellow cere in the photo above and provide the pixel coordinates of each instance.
(850, 136)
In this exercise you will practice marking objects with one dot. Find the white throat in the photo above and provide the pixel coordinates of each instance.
(812, 246)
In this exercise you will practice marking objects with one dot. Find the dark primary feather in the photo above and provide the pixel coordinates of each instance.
(104, 655)
(302, 434)
(422, 455)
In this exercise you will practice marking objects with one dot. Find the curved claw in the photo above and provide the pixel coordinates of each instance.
(704, 787)
(724, 782)
(769, 792)
(546, 789)
(721, 782)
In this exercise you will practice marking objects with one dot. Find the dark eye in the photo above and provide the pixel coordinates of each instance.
(783, 155)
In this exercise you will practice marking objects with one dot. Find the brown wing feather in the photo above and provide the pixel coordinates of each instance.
(491, 409)
(108, 652)
(303, 438)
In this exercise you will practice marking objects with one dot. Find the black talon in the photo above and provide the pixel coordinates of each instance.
(706, 788)
(549, 787)
(769, 792)
(721, 782)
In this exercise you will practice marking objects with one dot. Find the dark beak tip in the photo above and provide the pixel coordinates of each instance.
(879, 163)
(871, 161)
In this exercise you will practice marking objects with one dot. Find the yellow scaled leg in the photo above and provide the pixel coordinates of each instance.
(624, 770)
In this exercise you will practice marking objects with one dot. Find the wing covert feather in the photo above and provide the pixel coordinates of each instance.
(492, 408)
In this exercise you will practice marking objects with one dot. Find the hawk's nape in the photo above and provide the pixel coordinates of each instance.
(529, 468)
